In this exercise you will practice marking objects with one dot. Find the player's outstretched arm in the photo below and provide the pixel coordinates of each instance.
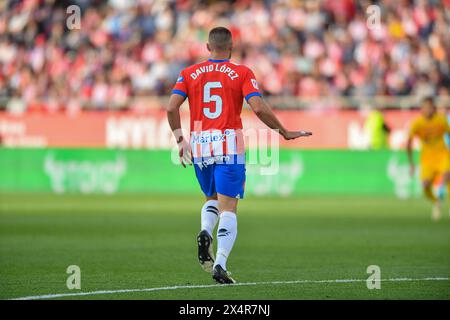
(173, 116)
(265, 114)
(409, 151)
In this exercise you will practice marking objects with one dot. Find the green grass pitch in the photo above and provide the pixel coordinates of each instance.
(148, 241)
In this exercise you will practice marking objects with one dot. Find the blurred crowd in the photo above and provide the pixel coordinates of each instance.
(136, 48)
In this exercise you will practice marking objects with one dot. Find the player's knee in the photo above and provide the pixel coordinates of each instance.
(426, 184)
(227, 207)
(227, 204)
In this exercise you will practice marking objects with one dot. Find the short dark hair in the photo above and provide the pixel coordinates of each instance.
(429, 99)
(219, 38)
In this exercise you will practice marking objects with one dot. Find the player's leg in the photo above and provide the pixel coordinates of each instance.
(209, 216)
(442, 189)
(226, 236)
(429, 194)
(427, 175)
(230, 180)
(427, 186)
(227, 229)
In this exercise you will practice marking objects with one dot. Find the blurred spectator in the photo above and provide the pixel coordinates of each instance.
(135, 48)
(377, 130)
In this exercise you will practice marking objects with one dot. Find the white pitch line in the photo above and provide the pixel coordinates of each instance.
(99, 292)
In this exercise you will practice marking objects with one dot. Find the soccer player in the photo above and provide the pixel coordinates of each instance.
(215, 89)
(431, 127)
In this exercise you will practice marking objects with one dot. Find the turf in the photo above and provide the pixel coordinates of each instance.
(145, 241)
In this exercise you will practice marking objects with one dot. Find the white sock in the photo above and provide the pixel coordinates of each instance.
(226, 235)
(210, 216)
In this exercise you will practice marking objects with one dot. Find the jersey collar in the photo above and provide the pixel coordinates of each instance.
(216, 60)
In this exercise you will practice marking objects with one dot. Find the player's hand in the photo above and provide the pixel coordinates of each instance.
(290, 135)
(184, 151)
(412, 170)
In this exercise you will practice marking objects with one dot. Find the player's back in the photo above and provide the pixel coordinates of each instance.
(216, 89)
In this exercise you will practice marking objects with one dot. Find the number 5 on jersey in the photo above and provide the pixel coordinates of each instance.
(207, 97)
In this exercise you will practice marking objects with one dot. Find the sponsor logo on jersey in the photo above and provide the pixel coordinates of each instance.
(215, 159)
(216, 142)
(208, 137)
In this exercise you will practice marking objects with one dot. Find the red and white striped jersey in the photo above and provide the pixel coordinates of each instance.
(216, 90)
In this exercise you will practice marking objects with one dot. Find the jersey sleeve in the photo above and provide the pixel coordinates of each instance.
(180, 86)
(250, 86)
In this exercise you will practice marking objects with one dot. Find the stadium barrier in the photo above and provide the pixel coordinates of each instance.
(293, 172)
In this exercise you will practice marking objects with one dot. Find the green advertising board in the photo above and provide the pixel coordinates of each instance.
(289, 172)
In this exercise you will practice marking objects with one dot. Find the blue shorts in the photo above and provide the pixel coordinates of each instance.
(221, 177)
